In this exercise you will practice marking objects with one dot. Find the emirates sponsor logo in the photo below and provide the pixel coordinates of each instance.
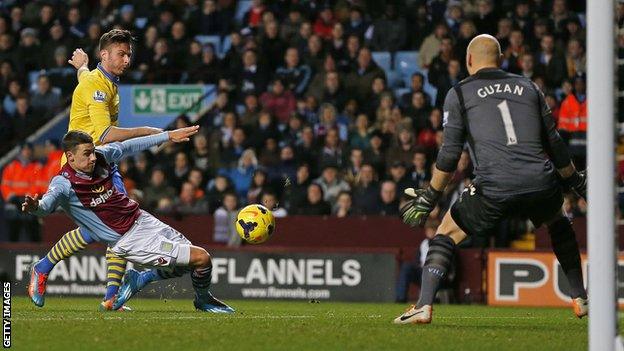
(101, 198)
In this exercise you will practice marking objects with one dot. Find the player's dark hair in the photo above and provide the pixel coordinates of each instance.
(116, 36)
(73, 138)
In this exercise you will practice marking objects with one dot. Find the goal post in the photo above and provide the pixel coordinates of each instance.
(601, 234)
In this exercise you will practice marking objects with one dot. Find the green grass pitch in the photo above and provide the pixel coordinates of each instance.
(75, 324)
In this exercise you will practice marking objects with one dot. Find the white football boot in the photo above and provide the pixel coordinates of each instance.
(415, 315)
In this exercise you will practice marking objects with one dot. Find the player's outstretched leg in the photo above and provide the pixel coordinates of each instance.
(115, 269)
(70, 243)
(134, 281)
(566, 249)
(437, 264)
(115, 265)
(201, 277)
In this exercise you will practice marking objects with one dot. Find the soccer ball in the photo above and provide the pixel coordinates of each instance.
(255, 224)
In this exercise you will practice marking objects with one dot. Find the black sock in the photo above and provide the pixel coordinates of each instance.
(174, 272)
(201, 279)
(439, 257)
(566, 249)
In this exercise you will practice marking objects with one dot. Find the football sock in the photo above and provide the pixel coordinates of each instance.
(115, 269)
(201, 278)
(165, 273)
(566, 249)
(439, 258)
(71, 242)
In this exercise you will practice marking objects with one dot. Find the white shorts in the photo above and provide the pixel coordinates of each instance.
(153, 243)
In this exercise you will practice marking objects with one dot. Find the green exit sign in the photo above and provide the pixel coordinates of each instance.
(165, 99)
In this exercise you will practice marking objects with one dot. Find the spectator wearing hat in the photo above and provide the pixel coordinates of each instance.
(29, 51)
(61, 74)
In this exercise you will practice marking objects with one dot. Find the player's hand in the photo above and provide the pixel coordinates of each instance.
(183, 134)
(578, 183)
(416, 211)
(30, 203)
(79, 59)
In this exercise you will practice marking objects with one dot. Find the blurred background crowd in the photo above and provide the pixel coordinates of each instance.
(323, 107)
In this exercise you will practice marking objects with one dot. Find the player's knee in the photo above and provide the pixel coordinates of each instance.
(200, 258)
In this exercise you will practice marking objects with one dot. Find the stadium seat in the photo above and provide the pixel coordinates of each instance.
(241, 9)
(140, 22)
(398, 92)
(394, 79)
(383, 60)
(226, 43)
(431, 90)
(406, 62)
(32, 79)
(215, 40)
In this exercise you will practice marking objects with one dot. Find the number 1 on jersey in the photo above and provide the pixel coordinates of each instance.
(509, 128)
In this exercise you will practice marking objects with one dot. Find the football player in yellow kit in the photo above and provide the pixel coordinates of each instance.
(95, 110)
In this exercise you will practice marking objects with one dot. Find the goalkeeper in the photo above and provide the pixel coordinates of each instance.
(517, 153)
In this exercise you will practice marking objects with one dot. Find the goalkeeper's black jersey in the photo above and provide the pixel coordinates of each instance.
(510, 132)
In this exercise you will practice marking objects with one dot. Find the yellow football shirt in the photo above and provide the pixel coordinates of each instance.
(95, 104)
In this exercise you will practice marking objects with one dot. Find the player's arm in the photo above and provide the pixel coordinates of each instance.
(114, 152)
(98, 102)
(113, 133)
(80, 60)
(558, 151)
(424, 200)
(57, 192)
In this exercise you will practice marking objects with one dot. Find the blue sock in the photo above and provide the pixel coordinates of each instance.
(44, 265)
(147, 277)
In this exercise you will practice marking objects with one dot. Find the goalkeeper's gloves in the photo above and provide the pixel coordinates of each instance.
(423, 201)
(578, 183)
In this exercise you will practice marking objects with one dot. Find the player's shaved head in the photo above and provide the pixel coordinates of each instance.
(483, 51)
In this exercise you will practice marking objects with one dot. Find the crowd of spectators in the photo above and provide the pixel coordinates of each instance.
(308, 117)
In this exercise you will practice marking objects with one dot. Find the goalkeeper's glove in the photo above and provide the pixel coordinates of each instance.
(423, 201)
(578, 183)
